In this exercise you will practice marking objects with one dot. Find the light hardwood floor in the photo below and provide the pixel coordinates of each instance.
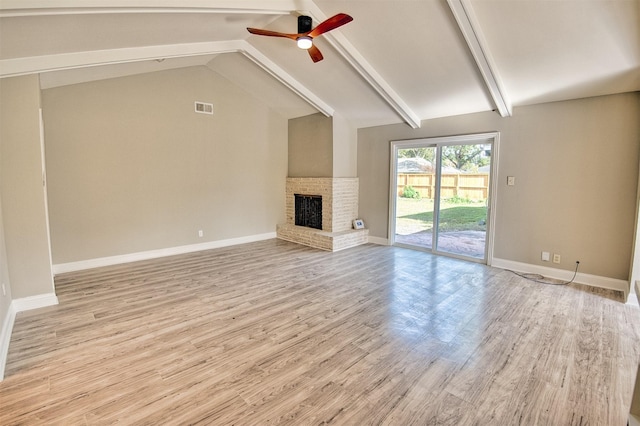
(274, 332)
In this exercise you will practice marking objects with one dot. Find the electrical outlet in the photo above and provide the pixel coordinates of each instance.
(200, 233)
(511, 180)
(4, 290)
(545, 256)
(556, 258)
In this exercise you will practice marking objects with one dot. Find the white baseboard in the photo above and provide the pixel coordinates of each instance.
(62, 268)
(19, 305)
(379, 241)
(34, 302)
(633, 299)
(5, 338)
(563, 274)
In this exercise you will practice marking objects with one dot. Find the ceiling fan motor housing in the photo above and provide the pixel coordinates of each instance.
(304, 24)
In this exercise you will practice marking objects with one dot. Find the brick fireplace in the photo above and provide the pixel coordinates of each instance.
(339, 209)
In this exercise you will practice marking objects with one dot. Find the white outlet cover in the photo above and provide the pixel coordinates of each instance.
(545, 256)
(204, 108)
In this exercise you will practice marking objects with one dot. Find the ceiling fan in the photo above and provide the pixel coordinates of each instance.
(305, 34)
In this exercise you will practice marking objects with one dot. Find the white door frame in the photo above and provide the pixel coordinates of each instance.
(492, 138)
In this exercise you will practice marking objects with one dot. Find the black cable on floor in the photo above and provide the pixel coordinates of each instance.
(537, 278)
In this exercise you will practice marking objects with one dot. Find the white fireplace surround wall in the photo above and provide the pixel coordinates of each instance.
(339, 209)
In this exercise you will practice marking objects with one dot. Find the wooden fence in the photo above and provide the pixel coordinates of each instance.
(471, 186)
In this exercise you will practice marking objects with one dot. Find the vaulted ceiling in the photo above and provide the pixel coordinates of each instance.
(398, 61)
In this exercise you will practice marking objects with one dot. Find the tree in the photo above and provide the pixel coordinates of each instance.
(464, 157)
(426, 153)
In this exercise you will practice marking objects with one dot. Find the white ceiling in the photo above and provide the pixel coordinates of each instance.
(398, 61)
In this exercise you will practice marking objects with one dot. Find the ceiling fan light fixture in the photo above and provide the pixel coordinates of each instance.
(304, 42)
(305, 35)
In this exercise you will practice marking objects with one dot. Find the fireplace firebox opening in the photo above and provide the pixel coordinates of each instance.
(308, 211)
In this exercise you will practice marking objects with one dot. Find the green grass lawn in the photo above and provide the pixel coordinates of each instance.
(415, 215)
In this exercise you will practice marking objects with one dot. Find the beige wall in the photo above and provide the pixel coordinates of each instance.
(311, 146)
(322, 146)
(634, 272)
(21, 190)
(345, 148)
(133, 168)
(5, 299)
(576, 169)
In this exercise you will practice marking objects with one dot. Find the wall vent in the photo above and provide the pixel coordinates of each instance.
(204, 108)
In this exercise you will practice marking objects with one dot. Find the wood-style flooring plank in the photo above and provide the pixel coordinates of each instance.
(277, 333)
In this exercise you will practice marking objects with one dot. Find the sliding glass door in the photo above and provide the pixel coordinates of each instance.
(441, 196)
(415, 195)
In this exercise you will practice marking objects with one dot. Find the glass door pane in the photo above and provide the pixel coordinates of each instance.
(415, 196)
(463, 199)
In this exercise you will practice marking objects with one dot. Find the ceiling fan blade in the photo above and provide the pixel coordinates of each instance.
(315, 54)
(258, 31)
(332, 23)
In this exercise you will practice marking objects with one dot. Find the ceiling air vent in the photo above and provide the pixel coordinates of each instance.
(204, 108)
